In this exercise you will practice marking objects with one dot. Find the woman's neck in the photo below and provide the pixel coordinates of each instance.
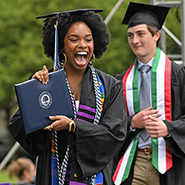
(75, 83)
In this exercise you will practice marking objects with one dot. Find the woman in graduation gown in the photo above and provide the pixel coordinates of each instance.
(78, 150)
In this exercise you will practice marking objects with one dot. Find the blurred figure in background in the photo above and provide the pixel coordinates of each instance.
(24, 170)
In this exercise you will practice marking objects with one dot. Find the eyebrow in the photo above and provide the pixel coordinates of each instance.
(136, 31)
(74, 35)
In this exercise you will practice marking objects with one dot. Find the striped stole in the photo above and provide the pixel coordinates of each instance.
(86, 114)
(161, 100)
(54, 169)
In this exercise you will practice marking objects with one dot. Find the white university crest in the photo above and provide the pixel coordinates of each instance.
(45, 99)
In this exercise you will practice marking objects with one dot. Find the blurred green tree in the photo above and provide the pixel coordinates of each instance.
(21, 51)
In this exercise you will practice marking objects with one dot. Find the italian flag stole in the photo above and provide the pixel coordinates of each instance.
(161, 100)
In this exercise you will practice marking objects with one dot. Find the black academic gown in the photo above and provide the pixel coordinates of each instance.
(92, 146)
(176, 143)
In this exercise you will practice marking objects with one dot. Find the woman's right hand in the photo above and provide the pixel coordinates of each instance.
(59, 123)
(42, 75)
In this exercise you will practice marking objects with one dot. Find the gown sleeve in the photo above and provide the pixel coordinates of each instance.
(34, 143)
(176, 127)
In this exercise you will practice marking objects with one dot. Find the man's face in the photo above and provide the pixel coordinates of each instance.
(142, 43)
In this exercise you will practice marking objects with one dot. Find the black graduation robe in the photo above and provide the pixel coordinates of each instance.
(92, 146)
(176, 143)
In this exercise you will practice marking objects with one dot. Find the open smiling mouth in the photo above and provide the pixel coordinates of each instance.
(81, 57)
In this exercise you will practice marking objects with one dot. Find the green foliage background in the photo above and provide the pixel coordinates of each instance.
(21, 51)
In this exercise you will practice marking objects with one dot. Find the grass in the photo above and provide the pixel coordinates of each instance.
(5, 179)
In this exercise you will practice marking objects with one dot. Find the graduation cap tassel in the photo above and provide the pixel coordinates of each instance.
(56, 47)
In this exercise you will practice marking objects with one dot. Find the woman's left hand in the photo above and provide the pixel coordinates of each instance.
(60, 123)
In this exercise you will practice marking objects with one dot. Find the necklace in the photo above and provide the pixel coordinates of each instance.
(62, 169)
(73, 90)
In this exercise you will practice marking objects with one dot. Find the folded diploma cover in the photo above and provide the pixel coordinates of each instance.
(38, 101)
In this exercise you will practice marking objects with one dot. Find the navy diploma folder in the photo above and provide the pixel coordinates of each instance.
(38, 101)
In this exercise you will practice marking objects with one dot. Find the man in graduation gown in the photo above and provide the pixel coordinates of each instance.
(160, 157)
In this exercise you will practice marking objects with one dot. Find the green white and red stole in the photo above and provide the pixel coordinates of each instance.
(161, 100)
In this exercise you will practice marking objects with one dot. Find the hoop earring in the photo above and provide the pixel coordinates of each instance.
(63, 63)
(93, 57)
(65, 58)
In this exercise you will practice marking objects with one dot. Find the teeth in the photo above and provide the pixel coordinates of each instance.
(81, 53)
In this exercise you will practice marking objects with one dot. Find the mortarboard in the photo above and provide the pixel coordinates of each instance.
(138, 13)
(56, 28)
(69, 11)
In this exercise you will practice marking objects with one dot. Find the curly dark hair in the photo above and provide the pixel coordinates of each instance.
(94, 21)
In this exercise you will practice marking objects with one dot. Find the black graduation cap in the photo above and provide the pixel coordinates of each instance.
(69, 11)
(138, 13)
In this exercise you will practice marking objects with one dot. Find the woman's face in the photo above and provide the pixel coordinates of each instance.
(78, 46)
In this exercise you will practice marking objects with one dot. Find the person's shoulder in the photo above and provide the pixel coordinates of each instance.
(176, 65)
(120, 75)
(111, 84)
(177, 69)
(21, 182)
(107, 77)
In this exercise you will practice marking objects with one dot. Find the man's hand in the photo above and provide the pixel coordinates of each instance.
(141, 118)
(156, 127)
